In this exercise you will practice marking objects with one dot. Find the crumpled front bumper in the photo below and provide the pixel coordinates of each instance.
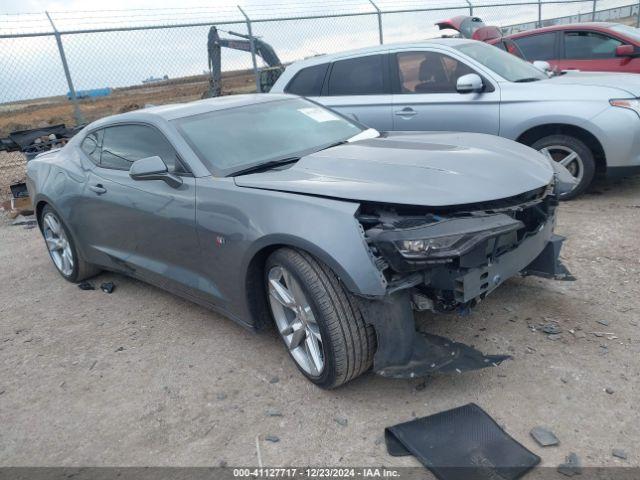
(405, 353)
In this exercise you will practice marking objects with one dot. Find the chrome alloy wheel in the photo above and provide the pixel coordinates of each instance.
(58, 244)
(566, 157)
(295, 320)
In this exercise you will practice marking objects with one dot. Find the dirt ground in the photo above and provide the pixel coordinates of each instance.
(143, 378)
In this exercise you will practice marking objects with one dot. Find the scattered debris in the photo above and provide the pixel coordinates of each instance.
(119, 349)
(619, 453)
(221, 396)
(272, 438)
(274, 413)
(86, 286)
(222, 463)
(420, 386)
(609, 390)
(551, 328)
(466, 434)
(93, 365)
(554, 336)
(341, 421)
(572, 466)
(603, 322)
(544, 436)
(2, 392)
(24, 220)
(108, 287)
(564, 380)
(274, 380)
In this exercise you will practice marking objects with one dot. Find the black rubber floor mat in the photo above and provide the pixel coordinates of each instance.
(461, 444)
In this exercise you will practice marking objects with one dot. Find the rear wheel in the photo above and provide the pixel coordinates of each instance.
(574, 155)
(318, 319)
(62, 249)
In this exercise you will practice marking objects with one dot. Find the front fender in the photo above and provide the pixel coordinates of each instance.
(361, 278)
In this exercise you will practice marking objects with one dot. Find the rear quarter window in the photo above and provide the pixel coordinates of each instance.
(308, 81)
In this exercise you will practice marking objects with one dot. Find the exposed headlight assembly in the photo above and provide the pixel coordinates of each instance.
(628, 103)
(440, 242)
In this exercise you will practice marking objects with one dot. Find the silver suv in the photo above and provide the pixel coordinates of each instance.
(589, 122)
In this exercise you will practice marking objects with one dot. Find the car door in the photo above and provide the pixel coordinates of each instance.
(359, 89)
(593, 51)
(143, 227)
(426, 98)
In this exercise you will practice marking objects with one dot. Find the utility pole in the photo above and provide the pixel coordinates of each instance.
(72, 91)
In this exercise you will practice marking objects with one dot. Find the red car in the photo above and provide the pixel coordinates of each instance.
(600, 47)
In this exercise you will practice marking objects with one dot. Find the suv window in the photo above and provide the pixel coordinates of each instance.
(538, 47)
(91, 145)
(308, 81)
(589, 45)
(429, 72)
(357, 76)
(124, 144)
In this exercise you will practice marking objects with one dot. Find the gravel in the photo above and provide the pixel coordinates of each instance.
(55, 410)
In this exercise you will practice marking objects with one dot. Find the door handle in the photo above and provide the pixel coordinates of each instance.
(406, 112)
(99, 189)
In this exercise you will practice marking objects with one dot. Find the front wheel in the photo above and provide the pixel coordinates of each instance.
(574, 155)
(318, 319)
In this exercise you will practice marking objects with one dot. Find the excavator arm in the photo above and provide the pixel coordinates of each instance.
(268, 76)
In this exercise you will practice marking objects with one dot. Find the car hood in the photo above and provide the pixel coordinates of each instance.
(628, 82)
(430, 169)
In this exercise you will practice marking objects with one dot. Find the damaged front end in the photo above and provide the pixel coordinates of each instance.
(448, 259)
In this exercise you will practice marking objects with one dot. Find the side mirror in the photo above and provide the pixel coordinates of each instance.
(542, 66)
(153, 168)
(625, 51)
(469, 83)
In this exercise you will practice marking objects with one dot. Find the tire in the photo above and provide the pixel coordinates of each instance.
(347, 343)
(559, 145)
(79, 270)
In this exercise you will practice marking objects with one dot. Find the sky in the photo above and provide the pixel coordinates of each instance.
(31, 67)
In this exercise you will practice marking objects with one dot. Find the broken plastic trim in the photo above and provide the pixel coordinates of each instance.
(548, 264)
(405, 353)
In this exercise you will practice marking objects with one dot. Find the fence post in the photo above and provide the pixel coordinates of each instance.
(638, 16)
(253, 48)
(72, 91)
(470, 8)
(379, 13)
(593, 13)
(539, 14)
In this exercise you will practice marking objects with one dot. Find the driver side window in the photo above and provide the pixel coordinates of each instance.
(429, 72)
(124, 144)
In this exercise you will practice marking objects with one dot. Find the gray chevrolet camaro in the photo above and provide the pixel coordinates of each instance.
(271, 208)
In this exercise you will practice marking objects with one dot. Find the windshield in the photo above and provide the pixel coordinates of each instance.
(509, 67)
(231, 140)
(628, 31)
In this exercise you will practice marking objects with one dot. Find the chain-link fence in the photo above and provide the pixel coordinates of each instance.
(75, 67)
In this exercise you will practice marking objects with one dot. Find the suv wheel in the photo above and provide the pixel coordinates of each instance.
(574, 155)
(62, 249)
(318, 319)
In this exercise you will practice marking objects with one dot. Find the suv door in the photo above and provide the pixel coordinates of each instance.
(593, 51)
(145, 228)
(425, 95)
(359, 89)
